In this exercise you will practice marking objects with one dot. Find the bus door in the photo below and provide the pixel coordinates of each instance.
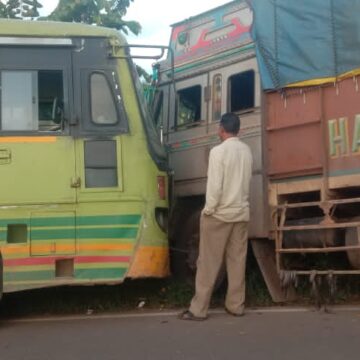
(37, 155)
(100, 120)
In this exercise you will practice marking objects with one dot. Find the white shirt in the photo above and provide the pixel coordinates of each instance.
(228, 184)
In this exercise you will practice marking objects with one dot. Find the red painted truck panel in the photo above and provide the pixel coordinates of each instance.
(293, 134)
(312, 129)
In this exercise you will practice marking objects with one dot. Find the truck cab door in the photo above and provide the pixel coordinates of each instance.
(188, 127)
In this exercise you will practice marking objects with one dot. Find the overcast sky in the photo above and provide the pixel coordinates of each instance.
(156, 16)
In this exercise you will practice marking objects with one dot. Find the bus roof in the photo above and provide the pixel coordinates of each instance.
(25, 28)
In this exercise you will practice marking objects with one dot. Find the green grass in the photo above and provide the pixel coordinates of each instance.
(155, 294)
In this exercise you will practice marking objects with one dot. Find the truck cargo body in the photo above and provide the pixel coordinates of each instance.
(313, 164)
(310, 75)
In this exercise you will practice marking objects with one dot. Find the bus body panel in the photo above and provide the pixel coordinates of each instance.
(79, 192)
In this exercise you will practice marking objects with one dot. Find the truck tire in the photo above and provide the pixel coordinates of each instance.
(178, 250)
(186, 249)
(351, 239)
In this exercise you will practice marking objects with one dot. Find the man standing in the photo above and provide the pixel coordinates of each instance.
(224, 222)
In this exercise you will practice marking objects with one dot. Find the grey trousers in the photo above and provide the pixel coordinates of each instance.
(220, 241)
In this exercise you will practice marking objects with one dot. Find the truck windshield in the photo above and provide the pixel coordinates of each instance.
(156, 149)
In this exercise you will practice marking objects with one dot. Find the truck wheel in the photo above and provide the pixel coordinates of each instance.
(192, 239)
(352, 239)
(178, 250)
(187, 249)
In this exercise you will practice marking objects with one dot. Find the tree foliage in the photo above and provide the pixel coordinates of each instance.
(107, 13)
(20, 9)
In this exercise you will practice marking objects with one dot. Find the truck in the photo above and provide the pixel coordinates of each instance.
(303, 133)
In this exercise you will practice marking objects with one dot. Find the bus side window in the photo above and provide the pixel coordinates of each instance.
(103, 109)
(188, 105)
(32, 100)
(241, 91)
(51, 99)
(99, 103)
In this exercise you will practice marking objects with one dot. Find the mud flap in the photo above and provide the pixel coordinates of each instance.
(264, 253)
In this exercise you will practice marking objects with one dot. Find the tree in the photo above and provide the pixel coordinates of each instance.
(20, 9)
(107, 13)
(30, 8)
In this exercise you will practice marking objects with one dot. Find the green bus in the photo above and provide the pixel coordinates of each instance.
(83, 174)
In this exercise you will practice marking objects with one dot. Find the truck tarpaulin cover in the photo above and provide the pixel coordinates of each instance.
(307, 42)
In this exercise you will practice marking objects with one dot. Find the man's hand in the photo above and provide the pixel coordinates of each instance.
(207, 212)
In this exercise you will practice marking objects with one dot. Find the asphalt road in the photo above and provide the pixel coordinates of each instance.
(294, 335)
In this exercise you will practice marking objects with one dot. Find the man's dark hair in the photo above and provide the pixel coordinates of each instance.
(230, 123)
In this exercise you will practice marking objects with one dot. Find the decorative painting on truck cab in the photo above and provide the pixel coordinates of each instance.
(216, 30)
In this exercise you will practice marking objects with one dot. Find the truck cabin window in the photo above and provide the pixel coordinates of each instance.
(32, 100)
(103, 109)
(189, 105)
(241, 89)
